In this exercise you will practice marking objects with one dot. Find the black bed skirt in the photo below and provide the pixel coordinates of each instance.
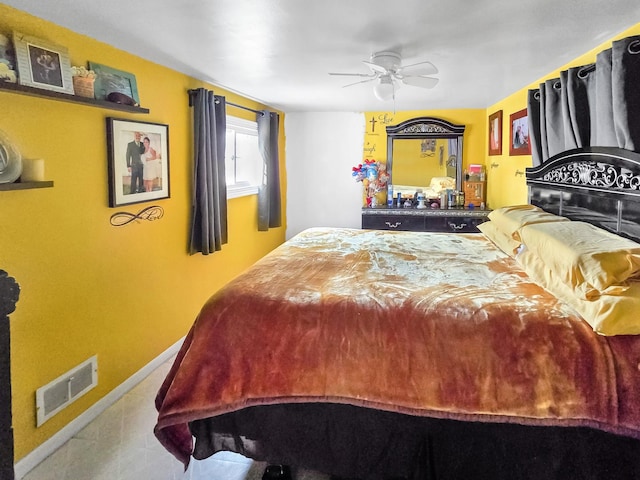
(356, 442)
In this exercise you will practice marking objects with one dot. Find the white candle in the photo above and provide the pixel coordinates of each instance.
(32, 170)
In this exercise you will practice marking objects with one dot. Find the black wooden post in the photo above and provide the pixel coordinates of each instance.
(9, 293)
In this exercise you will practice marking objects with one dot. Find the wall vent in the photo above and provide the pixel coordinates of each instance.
(65, 389)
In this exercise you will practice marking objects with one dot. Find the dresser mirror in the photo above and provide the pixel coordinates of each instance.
(424, 154)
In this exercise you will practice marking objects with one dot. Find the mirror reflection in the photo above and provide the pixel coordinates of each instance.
(425, 154)
(420, 160)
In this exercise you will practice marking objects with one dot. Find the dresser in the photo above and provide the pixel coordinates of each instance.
(423, 220)
(423, 153)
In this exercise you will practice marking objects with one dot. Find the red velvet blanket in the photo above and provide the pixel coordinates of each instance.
(438, 325)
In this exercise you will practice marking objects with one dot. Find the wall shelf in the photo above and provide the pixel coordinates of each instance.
(25, 185)
(92, 102)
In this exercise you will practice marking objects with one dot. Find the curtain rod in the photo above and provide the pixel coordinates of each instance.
(193, 92)
(245, 108)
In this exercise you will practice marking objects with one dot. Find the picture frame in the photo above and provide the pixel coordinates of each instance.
(141, 178)
(519, 134)
(495, 133)
(42, 64)
(110, 80)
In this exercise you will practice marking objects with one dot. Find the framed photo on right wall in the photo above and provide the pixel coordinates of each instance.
(519, 134)
(495, 133)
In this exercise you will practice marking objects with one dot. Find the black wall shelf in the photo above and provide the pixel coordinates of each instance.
(92, 102)
(25, 185)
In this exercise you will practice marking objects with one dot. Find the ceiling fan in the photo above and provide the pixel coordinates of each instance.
(388, 73)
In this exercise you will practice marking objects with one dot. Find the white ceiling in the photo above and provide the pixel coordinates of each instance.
(279, 52)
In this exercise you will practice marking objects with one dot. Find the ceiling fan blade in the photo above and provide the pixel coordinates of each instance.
(353, 74)
(375, 67)
(422, 68)
(424, 82)
(361, 81)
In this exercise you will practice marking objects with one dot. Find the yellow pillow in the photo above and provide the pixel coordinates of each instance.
(505, 243)
(510, 219)
(586, 258)
(615, 311)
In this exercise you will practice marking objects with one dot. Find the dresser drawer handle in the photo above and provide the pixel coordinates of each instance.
(395, 225)
(457, 227)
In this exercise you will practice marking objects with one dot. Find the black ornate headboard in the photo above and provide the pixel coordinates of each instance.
(599, 185)
(9, 293)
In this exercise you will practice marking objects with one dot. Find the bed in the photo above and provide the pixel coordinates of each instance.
(378, 354)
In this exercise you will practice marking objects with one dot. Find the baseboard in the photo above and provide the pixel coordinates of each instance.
(32, 459)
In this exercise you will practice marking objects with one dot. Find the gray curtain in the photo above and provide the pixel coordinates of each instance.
(577, 93)
(535, 134)
(551, 98)
(625, 64)
(605, 128)
(269, 207)
(591, 105)
(209, 202)
(452, 144)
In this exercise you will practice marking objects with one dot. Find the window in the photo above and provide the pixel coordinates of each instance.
(243, 163)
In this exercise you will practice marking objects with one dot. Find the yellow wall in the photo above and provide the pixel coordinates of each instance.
(123, 293)
(504, 187)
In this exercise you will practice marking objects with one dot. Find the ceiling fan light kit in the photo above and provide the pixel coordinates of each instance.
(388, 73)
(385, 89)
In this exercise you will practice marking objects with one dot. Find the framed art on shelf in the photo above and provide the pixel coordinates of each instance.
(138, 161)
(109, 80)
(519, 134)
(42, 64)
(495, 133)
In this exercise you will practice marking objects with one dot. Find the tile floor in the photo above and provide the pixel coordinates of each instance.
(120, 445)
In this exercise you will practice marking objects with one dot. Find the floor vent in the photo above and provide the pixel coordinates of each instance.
(66, 389)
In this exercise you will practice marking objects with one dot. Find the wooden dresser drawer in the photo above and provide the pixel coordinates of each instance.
(426, 220)
(457, 224)
(393, 222)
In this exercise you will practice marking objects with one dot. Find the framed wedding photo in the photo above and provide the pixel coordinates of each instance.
(495, 133)
(42, 64)
(138, 161)
(519, 134)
